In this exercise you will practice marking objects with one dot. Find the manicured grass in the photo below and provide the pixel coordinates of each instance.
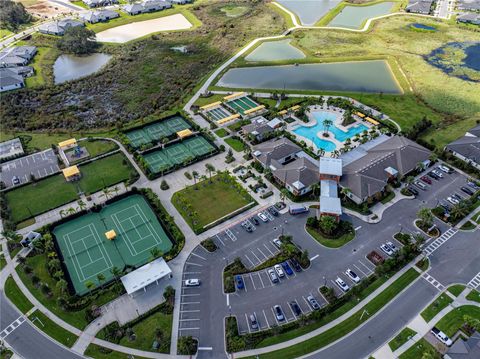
(221, 132)
(211, 200)
(330, 243)
(237, 145)
(6, 353)
(452, 322)
(13, 292)
(98, 352)
(456, 289)
(388, 198)
(202, 101)
(3, 262)
(467, 226)
(5, 33)
(98, 147)
(145, 333)
(416, 351)
(52, 329)
(41, 63)
(436, 307)
(474, 295)
(401, 338)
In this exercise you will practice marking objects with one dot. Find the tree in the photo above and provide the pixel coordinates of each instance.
(326, 126)
(426, 217)
(316, 189)
(187, 345)
(12, 15)
(78, 40)
(409, 180)
(101, 278)
(459, 211)
(155, 253)
(21, 260)
(195, 176)
(62, 286)
(82, 205)
(210, 169)
(159, 334)
(328, 224)
(90, 285)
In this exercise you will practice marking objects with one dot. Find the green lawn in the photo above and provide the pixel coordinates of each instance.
(330, 243)
(221, 132)
(416, 351)
(456, 289)
(3, 262)
(54, 191)
(98, 352)
(5, 33)
(237, 145)
(452, 322)
(13, 292)
(41, 63)
(401, 338)
(52, 329)
(98, 147)
(349, 324)
(474, 295)
(210, 200)
(202, 101)
(436, 307)
(145, 333)
(467, 226)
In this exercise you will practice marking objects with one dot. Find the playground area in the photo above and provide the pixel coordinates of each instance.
(178, 153)
(156, 131)
(123, 233)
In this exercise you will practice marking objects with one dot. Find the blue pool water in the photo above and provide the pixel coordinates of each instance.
(341, 136)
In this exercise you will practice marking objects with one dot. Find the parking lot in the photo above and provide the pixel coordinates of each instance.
(39, 164)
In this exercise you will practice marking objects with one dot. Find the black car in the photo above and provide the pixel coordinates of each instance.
(467, 190)
(413, 191)
(296, 266)
(255, 221)
(446, 206)
(273, 211)
(457, 197)
(295, 308)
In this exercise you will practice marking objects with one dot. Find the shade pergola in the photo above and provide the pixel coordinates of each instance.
(184, 133)
(70, 172)
(145, 275)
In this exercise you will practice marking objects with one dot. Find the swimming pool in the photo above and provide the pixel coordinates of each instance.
(341, 136)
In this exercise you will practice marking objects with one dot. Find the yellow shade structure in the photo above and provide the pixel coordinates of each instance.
(227, 119)
(67, 143)
(70, 172)
(372, 121)
(255, 109)
(210, 105)
(294, 108)
(283, 112)
(234, 95)
(111, 235)
(184, 133)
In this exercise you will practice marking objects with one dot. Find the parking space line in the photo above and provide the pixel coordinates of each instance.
(188, 329)
(261, 280)
(258, 259)
(185, 303)
(361, 271)
(263, 254)
(368, 269)
(189, 320)
(249, 260)
(266, 320)
(291, 310)
(191, 273)
(268, 249)
(306, 301)
(218, 237)
(248, 326)
(274, 316)
(253, 283)
(190, 311)
(194, 264)
(199, 256)
(189, 295)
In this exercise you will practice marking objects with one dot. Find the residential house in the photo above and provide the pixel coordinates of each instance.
(155, 5)
(468, 5)
(181, 2)
(99, 16)
(59, 27)
(17, 56)
(98, 3)
(369, 168)
(465, 349)
(133, 9)
(467, 148)
(419, 6)
(10, 81)
(469, 18)
(24, 71)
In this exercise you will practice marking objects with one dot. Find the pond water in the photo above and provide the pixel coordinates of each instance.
(72, 67)
(459, 59)
(275, 51)
(309, 11)
(360, 76)
(423, 27)
(354, 16)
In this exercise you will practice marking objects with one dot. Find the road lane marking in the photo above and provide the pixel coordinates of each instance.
(314, 257)
(199, 256)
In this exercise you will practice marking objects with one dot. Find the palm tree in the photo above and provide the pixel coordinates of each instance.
(90, 285)
(155, 253)
(425, 216)
(106, 192)
(315, 188)
(421, 166)
(459, 210)
(82, 205)
(195, 176)
(210, 169)
(62, 213)
(409, 180)
(283, 194)
(62, 286)
(328, 224)
(433, 157)
(320, 152)
(101, 279)
(326, 126)
(116, 189)
(71, 211)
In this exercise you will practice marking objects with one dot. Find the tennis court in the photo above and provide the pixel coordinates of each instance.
(242, 104)
(156, 131)
(217, 114)
(164, 159)
(87, 252)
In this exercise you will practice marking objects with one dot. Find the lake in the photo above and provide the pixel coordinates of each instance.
(359, 76)
(354, 16)
(275, 51)
(419, 26)
(309, 11)
(72, 67)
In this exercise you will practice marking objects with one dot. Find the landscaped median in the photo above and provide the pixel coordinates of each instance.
(52, 329)
(401, 338)
(343, 328)
(16, 296)
(436, 307)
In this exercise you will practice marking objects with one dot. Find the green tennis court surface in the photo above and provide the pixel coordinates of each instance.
(217, 114)
(242, 104)
(166, 158)
(156, 131)
(87, 252)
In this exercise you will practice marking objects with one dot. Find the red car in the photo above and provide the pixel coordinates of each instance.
(426, 180)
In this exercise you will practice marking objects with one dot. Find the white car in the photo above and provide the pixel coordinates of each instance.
(453, 200)
(444, 169)
(279, 270)
(392, 246)
(343, 286)
(386, 249)
(442, 336)
(273, 276)
(263, 217)
(352, 275)
(421, 185)
(277, 242)
(438, 173)
(192, 282)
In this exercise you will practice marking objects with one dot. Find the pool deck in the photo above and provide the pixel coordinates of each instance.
(337, 122)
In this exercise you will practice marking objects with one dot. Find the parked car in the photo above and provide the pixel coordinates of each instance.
(279, 313)
(446, 206)
(352, 275)
(239, 282)
(295, 308)
(420, 185)
(445, 169)
(413, 190)
(253, 322)
(453, 200)
(286, 267)
(313, 302)
(295, 265)
(438, 173)
(392, 246)
(15, 180)
(263, 217)
(473, 185)
(441, 336)
(273, 276)
(433, 175)
(426, 179)
(386, 249)
(192, 282)
(273, 211)
(279, 270)
(343, 286)
(467, 190)
(277, 242)
(255, 221)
